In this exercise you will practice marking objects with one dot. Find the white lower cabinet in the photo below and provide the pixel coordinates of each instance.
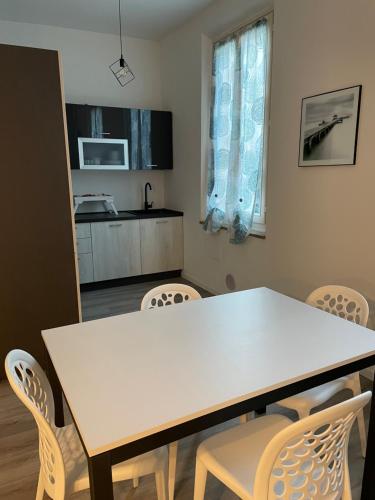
(161, 245)
(116, 249)
(84, 251)
(120, 249)
(86, 271)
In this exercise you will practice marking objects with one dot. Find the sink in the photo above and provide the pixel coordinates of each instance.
(150, 211)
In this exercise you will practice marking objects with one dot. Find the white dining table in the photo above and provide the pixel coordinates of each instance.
(138, 381)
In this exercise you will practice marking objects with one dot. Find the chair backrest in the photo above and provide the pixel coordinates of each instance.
(309, 458)
(31, 386)
(341, 301)
(165, 295)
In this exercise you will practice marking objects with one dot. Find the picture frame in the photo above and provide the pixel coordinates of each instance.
(329, 128)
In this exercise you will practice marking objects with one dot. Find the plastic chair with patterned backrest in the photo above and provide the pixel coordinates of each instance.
(311, 455)
(352, 306)
(340, 301)
(278, 459)
(63, 464)
(160, 296)
(30, 384)
(171, 293)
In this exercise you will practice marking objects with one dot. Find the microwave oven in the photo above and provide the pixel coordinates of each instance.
(103, 154)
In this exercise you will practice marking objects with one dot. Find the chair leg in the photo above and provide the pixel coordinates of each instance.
(261, 411)
(355, 386)
(161, 483)
(247, 417)
(200, 480)
(40, 489)
(172, 468)
(347, 491)
(303, 413)
(135, 482)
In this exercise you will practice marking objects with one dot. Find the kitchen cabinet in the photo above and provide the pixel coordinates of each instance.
(129, 247)
(84, 253)
(95, 122)
(86, 269)
(116, 249)
(98, 121)
(84, 245)
(161, 244)
(149, 133)
(83, 230)
(161, 140)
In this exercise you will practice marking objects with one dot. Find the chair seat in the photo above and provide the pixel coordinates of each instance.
(233, 455)
(76, 469)
(305, 401)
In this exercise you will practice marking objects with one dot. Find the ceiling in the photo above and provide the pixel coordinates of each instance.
(149, 19)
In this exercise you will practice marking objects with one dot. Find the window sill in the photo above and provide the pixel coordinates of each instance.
(254, 233)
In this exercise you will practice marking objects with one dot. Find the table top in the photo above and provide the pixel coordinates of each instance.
(130, 376)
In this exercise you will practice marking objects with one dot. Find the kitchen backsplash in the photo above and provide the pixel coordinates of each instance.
(126, 187)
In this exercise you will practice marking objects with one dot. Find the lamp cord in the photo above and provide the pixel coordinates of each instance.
(119, 16)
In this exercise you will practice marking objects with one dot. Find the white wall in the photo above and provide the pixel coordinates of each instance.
(88, 80)
(320, 221)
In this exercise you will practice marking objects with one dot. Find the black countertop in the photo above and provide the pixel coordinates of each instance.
(124, 215)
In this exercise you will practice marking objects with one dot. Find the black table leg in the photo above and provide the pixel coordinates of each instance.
(261, 411)
(57, 394)
(368, 483)
(100, 472)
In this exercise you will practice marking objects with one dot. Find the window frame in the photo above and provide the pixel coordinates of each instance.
(259, 223)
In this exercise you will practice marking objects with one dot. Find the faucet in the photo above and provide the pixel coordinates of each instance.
(147, 204)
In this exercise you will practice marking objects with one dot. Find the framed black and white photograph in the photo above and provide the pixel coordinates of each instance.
(329, 128)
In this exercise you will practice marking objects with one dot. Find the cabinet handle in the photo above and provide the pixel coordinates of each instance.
(150, 166)
(105, 133)
(115, 225)
(162, 221)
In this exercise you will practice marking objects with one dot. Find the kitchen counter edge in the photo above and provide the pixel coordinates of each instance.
(123, 215)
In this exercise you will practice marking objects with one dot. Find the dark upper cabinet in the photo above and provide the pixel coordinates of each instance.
(149, 133)
(161, 139)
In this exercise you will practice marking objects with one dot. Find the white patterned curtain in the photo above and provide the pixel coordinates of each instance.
(239, 88)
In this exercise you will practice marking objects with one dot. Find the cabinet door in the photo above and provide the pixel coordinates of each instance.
(161, 245)
(85, 265)
(84, 245)
(161, 140)
(115, 122)
(150, 142)
(116, 249)
(83, 230)
(71, 123)
(99, 121)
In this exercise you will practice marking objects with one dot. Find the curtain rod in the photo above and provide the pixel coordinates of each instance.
(243, 24)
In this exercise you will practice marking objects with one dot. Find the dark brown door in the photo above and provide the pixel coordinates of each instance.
(38, 287)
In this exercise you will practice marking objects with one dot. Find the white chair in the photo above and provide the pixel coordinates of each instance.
(160, 296)
(272, 458)
(347, 304)
(165, 295)
(63, 464)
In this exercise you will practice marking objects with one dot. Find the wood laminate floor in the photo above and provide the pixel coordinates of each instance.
(19, 463)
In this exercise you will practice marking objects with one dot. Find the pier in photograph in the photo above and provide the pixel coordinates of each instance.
(314, 135)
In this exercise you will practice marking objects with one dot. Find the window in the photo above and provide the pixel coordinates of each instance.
(236, 176)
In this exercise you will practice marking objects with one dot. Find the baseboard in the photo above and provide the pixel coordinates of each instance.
(131, 280)
(199, 283)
